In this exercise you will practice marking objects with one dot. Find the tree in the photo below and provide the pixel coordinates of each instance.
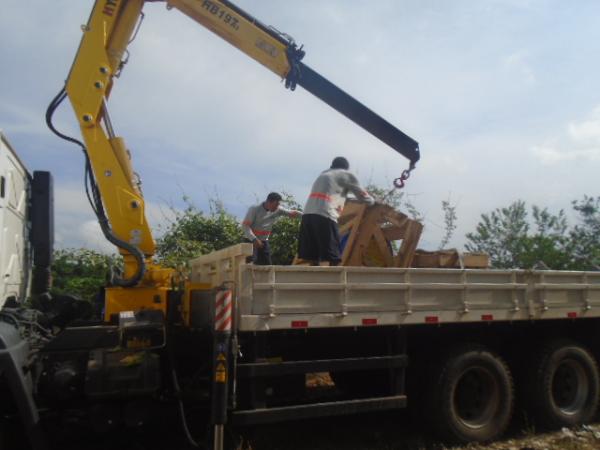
(585, 237)
(500, 234)
(81, 272)
(549, 244)
(505, 234)
(193, 233)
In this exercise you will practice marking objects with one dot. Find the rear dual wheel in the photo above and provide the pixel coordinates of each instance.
(563, 385)
(471, 399)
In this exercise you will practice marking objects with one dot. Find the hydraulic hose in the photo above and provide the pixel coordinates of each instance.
(95, 199)
(136, 252)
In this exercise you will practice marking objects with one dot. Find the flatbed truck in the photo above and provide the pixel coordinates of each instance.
(232, 343)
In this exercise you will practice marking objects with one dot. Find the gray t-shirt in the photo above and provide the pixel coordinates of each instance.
(329, 192)
(258, 222)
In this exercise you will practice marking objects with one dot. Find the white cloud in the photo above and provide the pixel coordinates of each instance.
(91, 236)
(23, 119)
(552, 155)
(579, 142)
(586, 130)
(518, 62)
(76, 226)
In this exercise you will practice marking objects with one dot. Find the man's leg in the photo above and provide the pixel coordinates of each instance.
(266, 254)
(329, 241)
(263, 255)
(307, 241)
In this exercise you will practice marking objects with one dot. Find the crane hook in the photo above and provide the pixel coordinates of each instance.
(399, 182)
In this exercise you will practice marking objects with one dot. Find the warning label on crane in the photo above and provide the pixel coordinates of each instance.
(220, 373)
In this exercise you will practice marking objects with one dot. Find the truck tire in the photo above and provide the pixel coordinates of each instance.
(563, 385)
(471, 396)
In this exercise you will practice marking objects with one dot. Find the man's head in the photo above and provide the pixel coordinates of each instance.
(339, 162)
(272, 202)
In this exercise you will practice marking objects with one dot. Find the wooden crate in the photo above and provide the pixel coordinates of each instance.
(450, 259)
(476, 260)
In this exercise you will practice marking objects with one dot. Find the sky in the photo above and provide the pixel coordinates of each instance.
(503, 97)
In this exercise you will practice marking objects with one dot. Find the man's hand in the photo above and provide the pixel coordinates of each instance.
(258, 244)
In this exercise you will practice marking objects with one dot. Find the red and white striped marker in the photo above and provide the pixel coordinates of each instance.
(223, 309)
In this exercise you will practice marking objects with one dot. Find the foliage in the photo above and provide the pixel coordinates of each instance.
(81, 272)
(449, 222)
(508, 236)
(193, 233)
(392, 197)
(500, 234)
(585, 237)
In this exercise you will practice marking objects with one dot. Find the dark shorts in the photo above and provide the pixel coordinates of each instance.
(262, 256)
(319, 239)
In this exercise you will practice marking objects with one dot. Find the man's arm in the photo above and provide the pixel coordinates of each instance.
(247, 224)
(288, 212)
(351, 183)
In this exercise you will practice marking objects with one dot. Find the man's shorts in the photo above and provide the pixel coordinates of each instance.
(319, 239)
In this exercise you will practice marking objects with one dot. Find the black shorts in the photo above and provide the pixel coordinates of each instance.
(319, 239)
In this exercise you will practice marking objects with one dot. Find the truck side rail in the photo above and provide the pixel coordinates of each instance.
(283, 297)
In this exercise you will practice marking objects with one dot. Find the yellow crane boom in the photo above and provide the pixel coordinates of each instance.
(112, 185)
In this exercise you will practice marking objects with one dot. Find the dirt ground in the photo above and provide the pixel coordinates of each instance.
(394, 431)
(586, 437)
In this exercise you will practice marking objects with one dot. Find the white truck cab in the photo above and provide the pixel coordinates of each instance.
(15, 248)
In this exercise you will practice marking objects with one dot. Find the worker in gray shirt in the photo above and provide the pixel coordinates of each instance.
(258, 225)
(319, 233)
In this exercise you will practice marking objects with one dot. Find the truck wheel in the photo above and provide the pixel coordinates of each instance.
(564, 385)
(471, 399)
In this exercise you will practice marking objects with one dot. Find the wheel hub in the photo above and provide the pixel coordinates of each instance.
(570, 387)
(476, 397)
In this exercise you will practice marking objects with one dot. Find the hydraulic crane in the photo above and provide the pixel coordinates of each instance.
(112, 186)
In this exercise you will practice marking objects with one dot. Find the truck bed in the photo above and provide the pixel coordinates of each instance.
(286, 297)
